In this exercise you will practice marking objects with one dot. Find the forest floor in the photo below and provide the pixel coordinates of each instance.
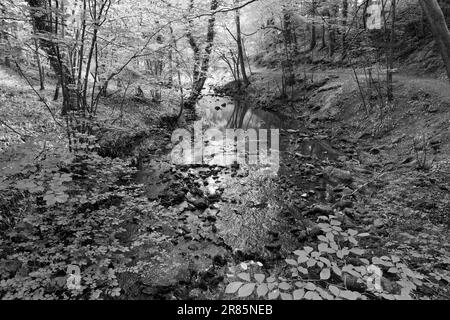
(397, 157)
(140, 227)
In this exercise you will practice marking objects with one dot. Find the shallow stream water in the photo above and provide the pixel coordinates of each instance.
(236, 212)
(242, 203)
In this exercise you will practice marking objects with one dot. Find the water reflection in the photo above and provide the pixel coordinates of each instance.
(263, 140)
(231, 131)
(225, 113)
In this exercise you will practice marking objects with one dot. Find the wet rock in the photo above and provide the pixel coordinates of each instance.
(328, 103)
(347, 192)
(314, 231)
(275, 235)
(354, 284)
(338, 175)
(379, 223)
(302, 236)
(163, 277)
(436, 143)
(408, 161)
(362, 170)
(273, 247)
(199, 203)
(193, 247)
(329, 88)
(219, 261)
(196, 294)
(319, 209)
(398, 139)
(350, 213)
(432, 109)
(343, 204)
(184, 276)
(406, 236)
(210, 279)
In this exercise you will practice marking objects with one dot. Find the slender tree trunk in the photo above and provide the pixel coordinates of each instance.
(355, 12)
(324, 42)
(439, 29)
(39, 65)
(177, 64)
(43, 24)
(313, 42)
(194, 46)
(56, 95)
(171, 69)
(239, 45)
(390, 65)
(331, 41)
(287, 31)
(200, 79)
(364, 15)
(344, 27)
(247, 57)
(4, 34)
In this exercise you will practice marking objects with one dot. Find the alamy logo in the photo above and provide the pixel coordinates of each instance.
(74, 278)
(374, 280)
(259, 148)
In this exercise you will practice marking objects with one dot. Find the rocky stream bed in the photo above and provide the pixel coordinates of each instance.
(219, 216)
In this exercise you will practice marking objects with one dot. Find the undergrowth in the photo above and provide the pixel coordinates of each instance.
(336, 269)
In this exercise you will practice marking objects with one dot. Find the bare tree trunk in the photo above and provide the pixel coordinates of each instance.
(171, 69)
(313, 42)
(4, 34)
(332, 29)
(324, 41)
(390, 64)
(56, 95)
(177, 64)
(247, 57)
(239, 45)
(364, 15)
(439, 29)
(202, 73)
(331, 41)
(39, 65)
(287, 32)
(195, 48)
(43, 23)
(344, 25)
(355, 12)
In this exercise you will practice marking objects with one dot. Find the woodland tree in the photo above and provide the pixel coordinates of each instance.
(439, 29)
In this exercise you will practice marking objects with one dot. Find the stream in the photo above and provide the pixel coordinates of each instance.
(221, 214)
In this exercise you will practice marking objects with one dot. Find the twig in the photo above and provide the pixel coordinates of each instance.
(22, 136)
(382, 173)
(360, 90)
(42, 152)
(37, 93)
